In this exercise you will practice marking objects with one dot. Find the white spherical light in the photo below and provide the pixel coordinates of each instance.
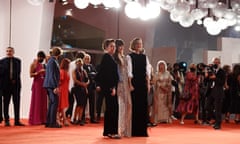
(95, 2)
(81, 4)
(153, 9)
(172, 2)
(133, 9)
(207, 21)
(186, 20)
(237, 28)
(198, 13)
(213, 28)
(174, 16)
(182, 7)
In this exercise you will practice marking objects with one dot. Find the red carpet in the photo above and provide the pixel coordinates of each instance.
(175, 133)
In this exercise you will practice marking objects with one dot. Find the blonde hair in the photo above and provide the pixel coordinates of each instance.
(56, 51)
(79, 60)
(133, 43)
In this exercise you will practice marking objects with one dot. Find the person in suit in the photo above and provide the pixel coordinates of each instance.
(91, 71)
(215, 98)
(51, 83)
(11, 87)
(107, 81)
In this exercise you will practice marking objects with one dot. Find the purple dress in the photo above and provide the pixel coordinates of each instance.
(38, 107)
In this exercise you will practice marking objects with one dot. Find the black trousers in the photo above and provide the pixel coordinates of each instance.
(71, 102)
(14, 92)
(100, 98)
(91, 101)
(215, 99)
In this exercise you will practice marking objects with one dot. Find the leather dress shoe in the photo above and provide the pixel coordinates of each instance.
(19, 124)
(216, 127)
(94, 121)
(150, 124)
(114, 136)
(7, 123)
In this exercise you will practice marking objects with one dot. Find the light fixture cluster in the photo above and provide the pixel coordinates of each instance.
(82, 4)
(214, 15)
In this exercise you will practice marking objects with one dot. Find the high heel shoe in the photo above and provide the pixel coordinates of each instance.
(197, 122)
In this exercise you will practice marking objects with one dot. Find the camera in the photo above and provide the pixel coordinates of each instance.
(210, 69)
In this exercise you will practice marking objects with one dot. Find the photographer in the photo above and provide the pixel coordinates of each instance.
(216, 77)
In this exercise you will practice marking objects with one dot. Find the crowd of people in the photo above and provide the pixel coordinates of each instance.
(136, 96)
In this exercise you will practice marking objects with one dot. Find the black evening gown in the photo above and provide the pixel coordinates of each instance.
(139, 95)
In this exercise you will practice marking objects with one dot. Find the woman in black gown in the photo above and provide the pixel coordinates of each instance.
(139, 74)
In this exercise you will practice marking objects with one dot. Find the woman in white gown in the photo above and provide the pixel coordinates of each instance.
(123, 92)
(162, 101)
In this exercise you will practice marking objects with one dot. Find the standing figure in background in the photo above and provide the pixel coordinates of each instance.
(72, 67)
(12, 85)
(190, 105)
(63, 91)
(178, 83)
(162, 103)
(107, 82)
(123, 92)
(215, 98)
(139, 82)
(235, 93)
(38, 106)
(51, 84)
(227, 97)
(91, 71)
(80, 91)
(151, 122)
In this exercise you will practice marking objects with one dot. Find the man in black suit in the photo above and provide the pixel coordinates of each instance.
(11, 85)
(215, 98)
(91, 71)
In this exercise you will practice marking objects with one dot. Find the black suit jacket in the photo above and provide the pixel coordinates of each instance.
(220, 78)
(107, 76)
(16, 80)
(217, 91)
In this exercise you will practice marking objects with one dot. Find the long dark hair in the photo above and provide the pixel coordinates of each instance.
(119, 43)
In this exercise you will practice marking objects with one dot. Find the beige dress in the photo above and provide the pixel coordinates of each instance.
(162, 101)
(124, 102)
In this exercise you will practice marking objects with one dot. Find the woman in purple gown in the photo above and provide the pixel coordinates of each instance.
(38, 107)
